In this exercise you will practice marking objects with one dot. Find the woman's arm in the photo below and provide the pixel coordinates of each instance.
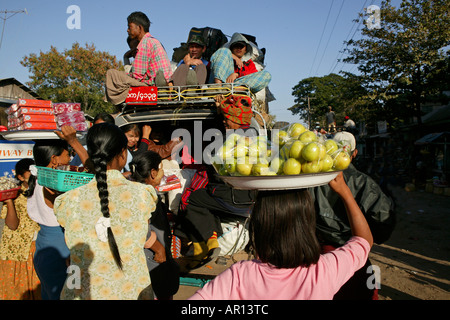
(11, 220)
(69, 134)
(358, 222)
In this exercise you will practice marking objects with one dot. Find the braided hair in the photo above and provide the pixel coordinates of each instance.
(105, 141)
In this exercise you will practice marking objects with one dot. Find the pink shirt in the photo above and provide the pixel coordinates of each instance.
(254, 280)
(150, 58)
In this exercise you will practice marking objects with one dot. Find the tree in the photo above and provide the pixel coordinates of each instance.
(402, 64)
(75, 75)
(344, 93)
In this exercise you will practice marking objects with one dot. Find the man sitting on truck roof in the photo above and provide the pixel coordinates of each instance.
(151, 65)
(234, 65)
(193, 69)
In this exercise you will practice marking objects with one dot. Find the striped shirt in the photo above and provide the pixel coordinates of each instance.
(150, 57)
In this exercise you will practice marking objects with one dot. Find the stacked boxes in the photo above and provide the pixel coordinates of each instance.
(30, 114)
(69, 113)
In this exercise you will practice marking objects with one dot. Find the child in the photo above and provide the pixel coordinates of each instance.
(52, 253)
(106, 223)
(289, 265)
(137, 142)
(146, 168)
(17, 247)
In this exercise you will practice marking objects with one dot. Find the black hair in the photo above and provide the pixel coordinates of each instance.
(21, 167)
(106, 117)
(104, 142)
(131, 127)
(142, 165)
(282, 228)
(43, 151)
(140, 19)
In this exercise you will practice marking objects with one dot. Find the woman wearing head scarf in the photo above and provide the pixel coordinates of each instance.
(234, 64)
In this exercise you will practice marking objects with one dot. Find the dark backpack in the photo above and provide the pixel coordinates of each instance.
(214, 39)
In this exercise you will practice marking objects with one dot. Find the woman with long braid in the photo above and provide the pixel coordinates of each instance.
(106, 223)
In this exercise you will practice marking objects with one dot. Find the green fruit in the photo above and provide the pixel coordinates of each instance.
(307, 136)
(295, 130)
(277, 165)
(311, 152)
(243, 166)
(331, 146)
(260, 169)
(326, 163)
(311, 167)
(292, 166)
(296, 149)
(341, 161)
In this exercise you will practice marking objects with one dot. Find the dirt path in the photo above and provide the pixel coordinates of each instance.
(415, 262)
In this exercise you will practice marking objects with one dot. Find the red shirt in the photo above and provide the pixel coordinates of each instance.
(248, 68)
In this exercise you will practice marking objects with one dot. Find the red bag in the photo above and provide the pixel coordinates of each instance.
(199, 180)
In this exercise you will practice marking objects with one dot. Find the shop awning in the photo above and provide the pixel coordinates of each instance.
(433, 138)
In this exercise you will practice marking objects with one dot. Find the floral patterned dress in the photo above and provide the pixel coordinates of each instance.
(93, 273)
(18, 279)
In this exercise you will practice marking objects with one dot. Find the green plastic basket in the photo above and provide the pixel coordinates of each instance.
(62, 180)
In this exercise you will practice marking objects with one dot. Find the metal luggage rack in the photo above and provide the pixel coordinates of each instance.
(176, 96)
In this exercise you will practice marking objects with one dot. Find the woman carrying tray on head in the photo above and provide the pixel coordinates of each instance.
(52, 253)
(18, 244)
(288, 264)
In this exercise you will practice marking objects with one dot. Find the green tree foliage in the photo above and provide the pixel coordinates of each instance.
(74, 75)
(344, 93)
(403, 63)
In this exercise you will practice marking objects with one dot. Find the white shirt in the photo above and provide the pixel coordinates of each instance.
(38, 209)
(349, 123)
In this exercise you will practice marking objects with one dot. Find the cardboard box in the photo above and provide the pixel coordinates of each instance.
(34, 110)
(37, 118)
(37, 126)
(34, 103)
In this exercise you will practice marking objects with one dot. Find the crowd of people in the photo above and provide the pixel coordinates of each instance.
(116, 230)
(151, 65)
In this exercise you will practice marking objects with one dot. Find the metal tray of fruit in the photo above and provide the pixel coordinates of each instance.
(279, 182)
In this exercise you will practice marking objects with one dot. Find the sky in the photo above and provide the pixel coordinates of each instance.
(303, 38)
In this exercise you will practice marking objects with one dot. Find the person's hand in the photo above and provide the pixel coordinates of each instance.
(232, 77)
(238, 61)
(339, 185)
(160, 256)
(67, 133)
(195, 62)
(146, 130)
(159, 251)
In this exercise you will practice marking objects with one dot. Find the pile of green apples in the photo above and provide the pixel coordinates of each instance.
(292, 151)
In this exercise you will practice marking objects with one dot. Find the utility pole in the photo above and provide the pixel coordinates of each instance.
(309, 110)
(11, 14)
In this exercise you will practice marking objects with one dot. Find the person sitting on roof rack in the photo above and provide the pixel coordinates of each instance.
(151, 65)
(233, 64)
(193, 69)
